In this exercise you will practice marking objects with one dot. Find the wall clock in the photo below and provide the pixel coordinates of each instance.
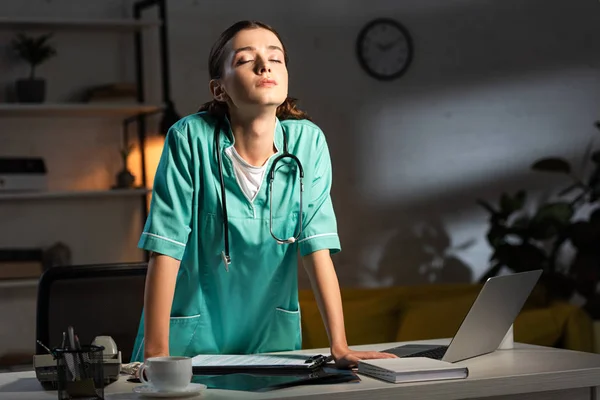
(384, 49)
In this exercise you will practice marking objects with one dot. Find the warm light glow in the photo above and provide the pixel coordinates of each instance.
(154, 146)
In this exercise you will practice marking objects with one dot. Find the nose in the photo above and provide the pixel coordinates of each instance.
(263, 67)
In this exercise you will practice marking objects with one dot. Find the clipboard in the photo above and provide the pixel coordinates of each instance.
(265, 364)
(264, 383)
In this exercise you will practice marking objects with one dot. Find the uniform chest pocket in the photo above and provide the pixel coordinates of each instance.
(285, 227)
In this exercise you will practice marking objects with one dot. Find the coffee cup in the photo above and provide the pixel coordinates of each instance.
(168, 374)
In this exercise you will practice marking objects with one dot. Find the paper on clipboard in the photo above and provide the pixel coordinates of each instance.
(300, 361)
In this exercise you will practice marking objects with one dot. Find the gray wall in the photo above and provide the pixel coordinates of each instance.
(493, 86)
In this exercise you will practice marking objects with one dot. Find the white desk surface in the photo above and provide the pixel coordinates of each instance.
(524, 369)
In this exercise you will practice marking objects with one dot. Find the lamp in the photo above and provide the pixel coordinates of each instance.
(125, 178)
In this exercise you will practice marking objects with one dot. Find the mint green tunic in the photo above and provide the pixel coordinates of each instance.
(253, 307)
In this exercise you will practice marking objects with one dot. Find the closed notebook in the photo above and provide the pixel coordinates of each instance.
(411, 369)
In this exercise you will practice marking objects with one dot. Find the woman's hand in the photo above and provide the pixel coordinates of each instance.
(346, 358)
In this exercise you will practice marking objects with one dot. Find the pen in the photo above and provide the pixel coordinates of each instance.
(62, 344)
(45, 347)
(71, 333)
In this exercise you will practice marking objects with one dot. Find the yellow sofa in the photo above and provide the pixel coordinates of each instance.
(405, 313)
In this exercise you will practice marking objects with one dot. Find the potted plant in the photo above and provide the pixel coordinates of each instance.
(125, 178)
(35, 51)
(561, 236)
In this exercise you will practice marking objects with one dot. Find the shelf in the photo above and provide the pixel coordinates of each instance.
(74, 109)
(75, 24)
(14, 283)
(72, 194)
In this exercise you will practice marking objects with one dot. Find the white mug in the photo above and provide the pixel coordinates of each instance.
(168, 374)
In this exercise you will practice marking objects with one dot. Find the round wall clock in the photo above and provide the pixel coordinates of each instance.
(384, 49)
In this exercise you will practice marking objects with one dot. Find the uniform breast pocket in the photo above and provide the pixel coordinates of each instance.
(286, 227)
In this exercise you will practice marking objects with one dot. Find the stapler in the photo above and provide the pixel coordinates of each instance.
(46, 370)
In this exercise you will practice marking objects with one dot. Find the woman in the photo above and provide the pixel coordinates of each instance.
(218, 282)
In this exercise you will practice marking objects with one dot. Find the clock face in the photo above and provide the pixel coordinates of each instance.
(384, 49)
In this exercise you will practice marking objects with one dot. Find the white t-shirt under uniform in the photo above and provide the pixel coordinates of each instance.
(248, 176)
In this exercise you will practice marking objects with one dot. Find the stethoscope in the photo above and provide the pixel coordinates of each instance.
(225, 253)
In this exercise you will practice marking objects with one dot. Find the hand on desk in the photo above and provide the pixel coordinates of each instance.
(346, 358)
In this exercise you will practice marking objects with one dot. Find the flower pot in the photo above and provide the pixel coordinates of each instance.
(125, 179)
(31, 90)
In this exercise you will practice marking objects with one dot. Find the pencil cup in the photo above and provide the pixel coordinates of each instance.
(509, 341)
(80, 373)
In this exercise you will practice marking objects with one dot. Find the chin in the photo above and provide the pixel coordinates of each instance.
(267, 102)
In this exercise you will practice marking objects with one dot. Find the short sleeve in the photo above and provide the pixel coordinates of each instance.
(320, 225)
(168, 225)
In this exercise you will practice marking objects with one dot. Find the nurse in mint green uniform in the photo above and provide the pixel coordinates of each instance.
(206, 297)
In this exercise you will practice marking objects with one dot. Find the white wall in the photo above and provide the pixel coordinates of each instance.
(493, 86)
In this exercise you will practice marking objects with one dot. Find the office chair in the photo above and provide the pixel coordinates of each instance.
(97, 300)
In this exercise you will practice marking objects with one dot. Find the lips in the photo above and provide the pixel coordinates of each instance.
(265, 82)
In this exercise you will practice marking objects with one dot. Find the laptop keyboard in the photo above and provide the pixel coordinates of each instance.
(436, 353)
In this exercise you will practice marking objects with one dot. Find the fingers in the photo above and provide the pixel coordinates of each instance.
(376, 354)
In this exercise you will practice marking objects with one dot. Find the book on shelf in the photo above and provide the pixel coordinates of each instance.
(411, 369)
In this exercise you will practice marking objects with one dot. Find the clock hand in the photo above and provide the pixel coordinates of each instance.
(387, 46)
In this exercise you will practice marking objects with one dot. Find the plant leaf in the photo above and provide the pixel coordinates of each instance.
(521, 223)
(552, 164)
(569, 189)
(560, 212)
(487, 206)
(550, 219)
(508, 204)
(495, 236)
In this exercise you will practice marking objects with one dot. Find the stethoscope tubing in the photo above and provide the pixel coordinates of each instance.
(225, 254)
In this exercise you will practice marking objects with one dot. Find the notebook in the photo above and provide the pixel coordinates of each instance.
(413, 369)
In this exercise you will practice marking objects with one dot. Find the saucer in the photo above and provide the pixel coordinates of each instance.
(150, 391)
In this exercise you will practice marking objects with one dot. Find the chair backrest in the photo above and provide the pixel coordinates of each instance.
(97, 300)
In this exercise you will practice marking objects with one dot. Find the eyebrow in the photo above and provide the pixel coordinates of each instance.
(251, 48)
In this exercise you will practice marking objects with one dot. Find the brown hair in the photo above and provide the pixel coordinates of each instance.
(216, 60)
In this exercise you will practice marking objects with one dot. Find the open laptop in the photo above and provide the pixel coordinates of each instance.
(487, 322)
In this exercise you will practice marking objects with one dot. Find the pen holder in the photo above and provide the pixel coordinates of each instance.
(80, 373)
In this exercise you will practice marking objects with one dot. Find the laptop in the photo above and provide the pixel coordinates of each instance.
(482, 330)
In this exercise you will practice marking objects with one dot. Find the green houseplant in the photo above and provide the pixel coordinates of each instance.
(524, 240)
(35, 51)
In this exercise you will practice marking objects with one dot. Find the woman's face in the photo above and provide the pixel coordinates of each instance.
(254, 74)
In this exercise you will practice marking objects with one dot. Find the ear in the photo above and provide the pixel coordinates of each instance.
(218, 90)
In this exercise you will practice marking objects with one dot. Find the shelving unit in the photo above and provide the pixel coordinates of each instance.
(75, 110)
(124, 112)
(18, 283)
(73, 194)
(124, 25)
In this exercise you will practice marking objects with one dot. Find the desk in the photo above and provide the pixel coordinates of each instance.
(526, 372)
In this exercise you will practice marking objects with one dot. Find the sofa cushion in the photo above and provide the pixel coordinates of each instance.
(537, 326)
(434, 319)
(371, 318)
